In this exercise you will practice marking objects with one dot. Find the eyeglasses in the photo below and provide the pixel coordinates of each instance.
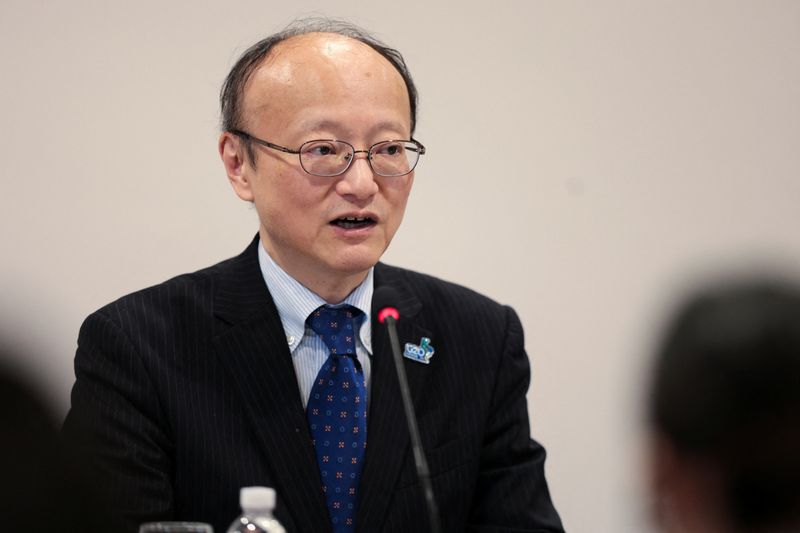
(328, 157)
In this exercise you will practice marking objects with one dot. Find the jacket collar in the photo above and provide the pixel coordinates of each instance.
(250, 343)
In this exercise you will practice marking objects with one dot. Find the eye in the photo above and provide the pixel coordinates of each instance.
(389, 148)
(320, 148)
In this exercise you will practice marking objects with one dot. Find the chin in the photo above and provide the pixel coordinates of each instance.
(356, 261)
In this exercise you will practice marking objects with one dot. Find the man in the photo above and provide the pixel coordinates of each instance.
(725, 412)
(215, 380)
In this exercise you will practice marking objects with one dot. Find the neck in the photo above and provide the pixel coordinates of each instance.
(334, 291)
(333, 287)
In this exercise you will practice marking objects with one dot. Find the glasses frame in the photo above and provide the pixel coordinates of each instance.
(368, 152)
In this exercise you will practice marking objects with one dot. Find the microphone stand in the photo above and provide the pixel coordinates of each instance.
(423, 473)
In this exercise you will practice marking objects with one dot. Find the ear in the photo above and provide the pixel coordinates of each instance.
(687, 490)
(231, 150)
(662, 471)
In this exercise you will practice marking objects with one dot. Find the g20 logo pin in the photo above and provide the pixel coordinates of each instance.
(421, 353)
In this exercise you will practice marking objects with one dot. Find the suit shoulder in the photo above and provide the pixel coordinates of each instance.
(180, 292)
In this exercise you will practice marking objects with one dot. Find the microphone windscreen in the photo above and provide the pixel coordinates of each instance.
(384, 300)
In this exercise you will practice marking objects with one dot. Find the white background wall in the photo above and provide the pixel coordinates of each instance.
(586, 160)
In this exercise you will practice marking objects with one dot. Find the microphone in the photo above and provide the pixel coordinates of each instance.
(383, 299)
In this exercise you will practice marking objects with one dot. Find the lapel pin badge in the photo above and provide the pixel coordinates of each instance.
(421, 353)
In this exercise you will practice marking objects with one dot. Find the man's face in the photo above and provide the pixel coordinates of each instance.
(322, 86)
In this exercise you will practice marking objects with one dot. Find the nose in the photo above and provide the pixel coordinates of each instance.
(359, 180)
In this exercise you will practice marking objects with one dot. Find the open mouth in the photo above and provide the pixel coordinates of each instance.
(353, 222)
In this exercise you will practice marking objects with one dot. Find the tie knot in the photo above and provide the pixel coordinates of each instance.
(337, 326)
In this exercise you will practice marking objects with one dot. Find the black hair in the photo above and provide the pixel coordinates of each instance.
(232, 92)
(726, 391)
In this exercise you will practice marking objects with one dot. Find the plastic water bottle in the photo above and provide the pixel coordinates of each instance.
(257, 506)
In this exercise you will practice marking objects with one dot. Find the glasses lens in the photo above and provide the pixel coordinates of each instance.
(394, 158)
(325, 158)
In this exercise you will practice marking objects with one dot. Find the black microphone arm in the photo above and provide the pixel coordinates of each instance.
(383, 296)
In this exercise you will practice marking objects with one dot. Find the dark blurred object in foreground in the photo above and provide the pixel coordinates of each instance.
(725, 410)
(42, 486)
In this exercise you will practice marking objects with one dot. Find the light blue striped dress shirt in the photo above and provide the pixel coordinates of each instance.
(295, 302)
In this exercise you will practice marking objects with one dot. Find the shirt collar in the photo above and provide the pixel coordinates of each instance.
(295, 302)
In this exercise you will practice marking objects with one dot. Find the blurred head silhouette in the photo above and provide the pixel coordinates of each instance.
(43, 487)
(725, 411)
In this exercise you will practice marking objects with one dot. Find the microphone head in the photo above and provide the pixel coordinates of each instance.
(384, 301)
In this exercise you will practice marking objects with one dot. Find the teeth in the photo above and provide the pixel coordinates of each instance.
(353, 219)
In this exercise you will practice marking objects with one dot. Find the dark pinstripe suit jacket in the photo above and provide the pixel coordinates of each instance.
(186, 391)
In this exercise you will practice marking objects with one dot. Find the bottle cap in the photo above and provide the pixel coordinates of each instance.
(257, 498)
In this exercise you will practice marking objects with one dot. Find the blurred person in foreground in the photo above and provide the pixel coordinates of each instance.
(43, 486)
(222, 378)
(725, 412)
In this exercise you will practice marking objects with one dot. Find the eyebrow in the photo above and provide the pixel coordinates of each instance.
(336, 125)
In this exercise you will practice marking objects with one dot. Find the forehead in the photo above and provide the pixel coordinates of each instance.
(306, 72)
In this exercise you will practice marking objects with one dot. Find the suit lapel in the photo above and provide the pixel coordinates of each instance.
(387, 433)
(251, 344)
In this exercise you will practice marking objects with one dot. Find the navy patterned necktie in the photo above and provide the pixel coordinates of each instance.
(337, 413)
